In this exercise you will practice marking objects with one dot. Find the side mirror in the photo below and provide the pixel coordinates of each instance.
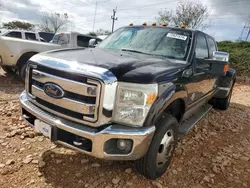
(219, 64)
(221, 56)
(92, 43)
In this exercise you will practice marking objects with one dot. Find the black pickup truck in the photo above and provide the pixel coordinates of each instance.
(130, 98)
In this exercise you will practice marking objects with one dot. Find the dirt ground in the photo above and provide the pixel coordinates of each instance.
(216, 153)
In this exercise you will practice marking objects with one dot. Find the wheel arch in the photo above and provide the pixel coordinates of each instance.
(24, 58)
(172, 101)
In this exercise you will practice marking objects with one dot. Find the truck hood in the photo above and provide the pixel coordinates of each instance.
(126, 66)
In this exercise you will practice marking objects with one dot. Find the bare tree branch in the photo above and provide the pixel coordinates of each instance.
(53, 22)
(103, 32)
(165, 17)
(191, 14)
(194, 15)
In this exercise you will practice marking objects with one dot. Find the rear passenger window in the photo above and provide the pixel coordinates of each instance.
(30, 36)
(201, 49)
(83, 41)
(14, 34)
(211, 46)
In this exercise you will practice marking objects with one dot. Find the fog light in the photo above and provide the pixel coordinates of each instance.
(121, 144)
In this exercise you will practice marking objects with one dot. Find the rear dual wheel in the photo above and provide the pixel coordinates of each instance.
(223, 103)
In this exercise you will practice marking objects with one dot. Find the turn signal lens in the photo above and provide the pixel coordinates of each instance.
(183, 26)
(151, 98)
(226, 68)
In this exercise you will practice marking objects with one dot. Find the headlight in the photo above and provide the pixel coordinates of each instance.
(133, 102)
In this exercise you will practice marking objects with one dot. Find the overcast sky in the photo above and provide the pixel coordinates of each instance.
(228, 16)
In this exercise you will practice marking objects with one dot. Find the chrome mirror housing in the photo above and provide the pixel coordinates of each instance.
(92, 43)
(220, 56)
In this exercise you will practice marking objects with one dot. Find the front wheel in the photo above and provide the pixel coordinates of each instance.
(159, 156)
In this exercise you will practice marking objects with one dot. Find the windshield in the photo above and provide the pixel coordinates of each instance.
(62, 39)
(171, 43)
(4, 32)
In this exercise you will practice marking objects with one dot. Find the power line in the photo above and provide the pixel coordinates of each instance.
(217, 17)
(94, 16)
(149, 5)
(152, 16)
(96, 10)
(156, 4)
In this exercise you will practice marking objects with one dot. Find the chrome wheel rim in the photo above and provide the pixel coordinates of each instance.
(165, 149)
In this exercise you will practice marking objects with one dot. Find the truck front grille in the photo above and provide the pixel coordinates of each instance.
(81, 99)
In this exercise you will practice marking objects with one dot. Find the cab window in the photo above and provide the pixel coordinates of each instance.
(83, 41)
(212, 47)
(62, 39)
(30, 36)
(201, 49)
(14, 34)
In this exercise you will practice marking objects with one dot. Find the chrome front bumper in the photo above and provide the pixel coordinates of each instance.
(141, 137)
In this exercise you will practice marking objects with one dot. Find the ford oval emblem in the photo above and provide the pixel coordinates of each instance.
(53, 90)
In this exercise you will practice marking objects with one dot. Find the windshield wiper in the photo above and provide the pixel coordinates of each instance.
(131, 50)
(170, 57)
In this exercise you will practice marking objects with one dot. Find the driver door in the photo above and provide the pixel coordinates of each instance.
(200, 86)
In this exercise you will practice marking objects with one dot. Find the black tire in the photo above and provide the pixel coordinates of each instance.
(22, 71)
(7, 69)
(22, 64)
(149, 165)
(222, 103)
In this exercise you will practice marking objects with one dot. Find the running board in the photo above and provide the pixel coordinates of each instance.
(187, 125)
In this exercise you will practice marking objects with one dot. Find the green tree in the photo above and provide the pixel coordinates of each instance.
(239, 56)
(18, 25)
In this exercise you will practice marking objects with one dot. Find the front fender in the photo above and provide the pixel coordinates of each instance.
(166, 97)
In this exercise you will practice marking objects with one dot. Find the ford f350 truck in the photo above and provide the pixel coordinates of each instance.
(130, 98)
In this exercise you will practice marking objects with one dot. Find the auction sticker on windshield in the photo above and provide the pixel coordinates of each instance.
(176, 36)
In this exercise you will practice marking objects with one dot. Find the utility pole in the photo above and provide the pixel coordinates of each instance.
(114, 19)
(94, 16)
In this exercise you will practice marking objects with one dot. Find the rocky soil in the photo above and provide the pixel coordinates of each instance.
(215, 154)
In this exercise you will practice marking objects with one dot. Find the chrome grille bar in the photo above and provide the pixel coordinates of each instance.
(64, 102)
(68, 85)
(81, 100)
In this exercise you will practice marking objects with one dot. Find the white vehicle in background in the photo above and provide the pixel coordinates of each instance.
(73, 39)
(102, 36)
(16, 51)
(22, 34)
